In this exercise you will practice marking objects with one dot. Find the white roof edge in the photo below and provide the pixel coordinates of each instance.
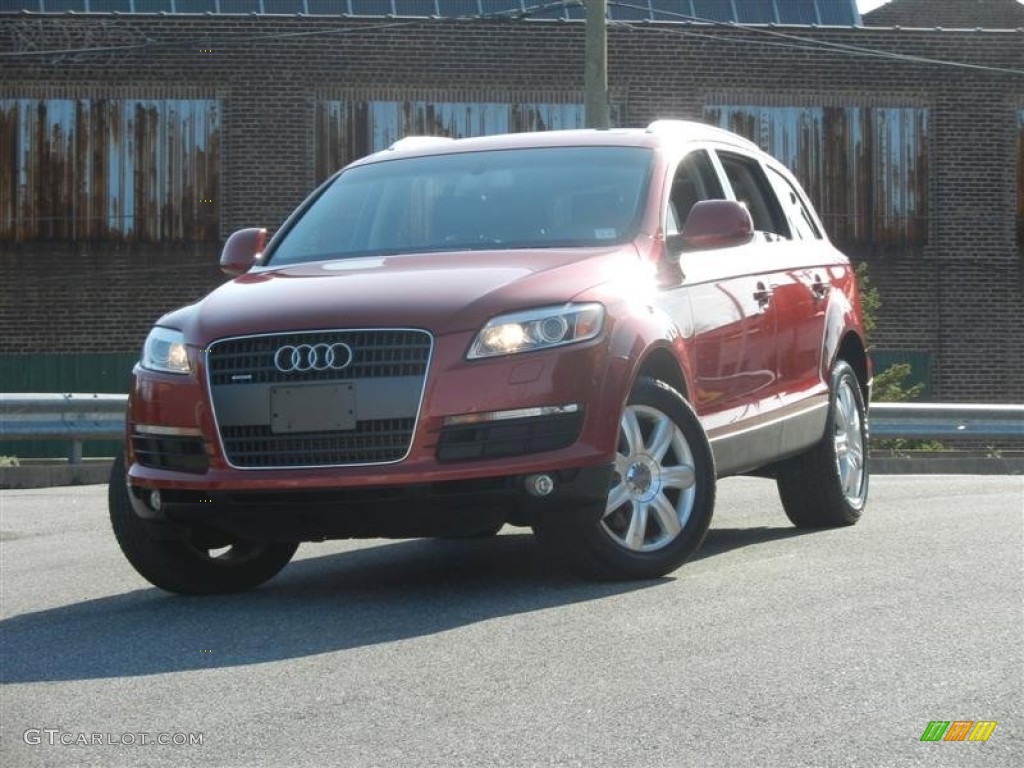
(694, 130)
(418, 142)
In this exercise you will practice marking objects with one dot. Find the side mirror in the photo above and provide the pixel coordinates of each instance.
(241, 251)
(716, 224)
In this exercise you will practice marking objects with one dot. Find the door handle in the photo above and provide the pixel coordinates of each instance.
(819, 288)
(763, 295)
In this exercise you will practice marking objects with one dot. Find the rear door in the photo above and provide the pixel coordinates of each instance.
(801, 294)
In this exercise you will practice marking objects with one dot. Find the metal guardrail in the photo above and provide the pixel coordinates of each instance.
(81, 417)
(937, 421)
(72, 417)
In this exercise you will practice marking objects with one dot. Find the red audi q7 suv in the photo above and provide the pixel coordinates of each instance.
(575, 331)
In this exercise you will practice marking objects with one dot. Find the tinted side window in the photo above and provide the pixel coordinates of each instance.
(801, 221)
(695, 180)
(753, 189)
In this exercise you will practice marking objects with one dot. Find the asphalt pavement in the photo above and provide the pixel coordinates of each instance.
(772, 647)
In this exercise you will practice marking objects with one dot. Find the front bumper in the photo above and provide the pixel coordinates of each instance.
(444, 508)
(176, 437)
(457, 474)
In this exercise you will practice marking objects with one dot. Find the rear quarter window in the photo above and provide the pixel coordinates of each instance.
(801, 221)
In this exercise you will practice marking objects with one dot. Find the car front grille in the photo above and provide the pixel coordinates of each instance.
(377, 354)
(371, 442)
(362, 412)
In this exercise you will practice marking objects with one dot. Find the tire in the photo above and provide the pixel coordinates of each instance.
(661, 500)
(193, 563)
(827, 486)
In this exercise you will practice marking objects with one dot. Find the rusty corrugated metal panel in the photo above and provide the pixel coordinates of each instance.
(900, 169)
(8, 168)
(347, 129)
(540, 116)
(865, 169)
(327, 142)
(109, 169)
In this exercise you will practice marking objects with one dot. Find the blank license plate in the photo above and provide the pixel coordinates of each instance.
(312, 408)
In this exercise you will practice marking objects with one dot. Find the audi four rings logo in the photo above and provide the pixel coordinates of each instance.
(312, 357)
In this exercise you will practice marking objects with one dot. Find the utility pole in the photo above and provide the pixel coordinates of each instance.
(596, 74)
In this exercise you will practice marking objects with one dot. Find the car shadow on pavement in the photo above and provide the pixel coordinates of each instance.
(368, 596)
(721, 540)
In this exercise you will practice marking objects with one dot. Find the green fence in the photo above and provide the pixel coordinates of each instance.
(920, 367)
(107, 373)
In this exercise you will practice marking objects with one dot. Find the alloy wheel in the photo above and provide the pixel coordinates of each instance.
(653, 483)
(849, 443)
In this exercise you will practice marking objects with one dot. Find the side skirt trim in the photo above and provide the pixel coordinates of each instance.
(783, 435)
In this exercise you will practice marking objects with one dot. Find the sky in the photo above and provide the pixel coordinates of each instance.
(869, 5)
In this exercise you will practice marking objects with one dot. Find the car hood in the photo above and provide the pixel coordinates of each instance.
(442, 292)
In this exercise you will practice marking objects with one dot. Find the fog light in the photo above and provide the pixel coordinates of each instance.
(154, 501)
(540, 485)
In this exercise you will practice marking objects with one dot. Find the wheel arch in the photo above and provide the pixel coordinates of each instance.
(660, 364)
(643, 344)
(853, 351)
(637, 351)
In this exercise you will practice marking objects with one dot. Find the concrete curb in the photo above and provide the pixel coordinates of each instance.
(46, 473)
(947, 463)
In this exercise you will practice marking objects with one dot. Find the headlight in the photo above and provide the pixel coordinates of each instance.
(537, 329)
(165, 351)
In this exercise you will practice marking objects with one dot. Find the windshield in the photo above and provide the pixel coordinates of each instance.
(520, 198)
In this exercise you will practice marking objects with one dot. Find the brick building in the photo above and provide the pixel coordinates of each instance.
(132, 144)
(959, 14)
